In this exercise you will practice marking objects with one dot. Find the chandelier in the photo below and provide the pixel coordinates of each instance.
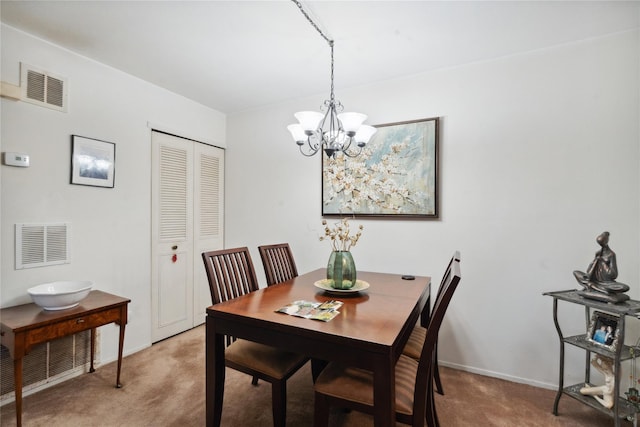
(330, 129)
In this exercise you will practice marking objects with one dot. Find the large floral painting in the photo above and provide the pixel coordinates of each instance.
(395, 175)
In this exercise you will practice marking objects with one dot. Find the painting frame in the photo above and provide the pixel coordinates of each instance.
(92, 162)
(601, 326)
(395, 176)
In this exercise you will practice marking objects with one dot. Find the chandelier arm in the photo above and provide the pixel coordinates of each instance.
(347, 144)
(312, 150)
(346, 153)
(314, 146)
(312, 153)
(328, 114)
(332, 123)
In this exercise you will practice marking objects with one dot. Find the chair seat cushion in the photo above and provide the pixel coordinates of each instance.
(356, 384)
(263, 358)
(413, 349)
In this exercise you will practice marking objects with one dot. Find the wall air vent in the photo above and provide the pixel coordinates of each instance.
(47, 364)
(43, 88)
(39, 245)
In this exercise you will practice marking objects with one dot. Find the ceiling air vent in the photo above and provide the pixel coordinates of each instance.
(43, 88)
(39, 245)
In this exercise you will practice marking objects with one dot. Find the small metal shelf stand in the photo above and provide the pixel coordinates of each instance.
(622, 408)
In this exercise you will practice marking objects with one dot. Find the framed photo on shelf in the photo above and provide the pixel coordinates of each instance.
(603, 330)
(396, 175)
(92, 162)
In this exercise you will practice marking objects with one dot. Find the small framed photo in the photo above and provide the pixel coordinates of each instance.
(603, 330)
(92, 162)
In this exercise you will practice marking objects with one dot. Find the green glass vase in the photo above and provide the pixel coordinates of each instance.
(341, 270)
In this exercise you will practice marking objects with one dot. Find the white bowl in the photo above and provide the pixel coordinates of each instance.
(60, 295)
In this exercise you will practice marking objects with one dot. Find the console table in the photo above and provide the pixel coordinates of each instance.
(23, 326)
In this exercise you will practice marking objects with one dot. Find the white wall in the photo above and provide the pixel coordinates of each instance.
(111, 234)
(539, 154)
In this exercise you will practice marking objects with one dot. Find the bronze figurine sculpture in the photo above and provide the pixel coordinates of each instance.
(599, 282)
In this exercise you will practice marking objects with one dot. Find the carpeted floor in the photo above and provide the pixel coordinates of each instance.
(164, 386)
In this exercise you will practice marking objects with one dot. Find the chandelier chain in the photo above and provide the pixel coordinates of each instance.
(332, 95)
(313, 23)
(329, 41)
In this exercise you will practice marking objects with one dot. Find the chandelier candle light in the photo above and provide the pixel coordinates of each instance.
(331, 130)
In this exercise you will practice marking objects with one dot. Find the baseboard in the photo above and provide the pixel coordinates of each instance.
(129, 352)
(499, 375)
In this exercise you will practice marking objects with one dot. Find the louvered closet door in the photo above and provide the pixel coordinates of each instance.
(187, 183)
(208, 219)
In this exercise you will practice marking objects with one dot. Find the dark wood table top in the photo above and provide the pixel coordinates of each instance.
(31, 316)
(373, 318)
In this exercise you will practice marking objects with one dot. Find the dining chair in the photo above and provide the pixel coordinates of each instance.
(279, 266)
(231, 274)
(277, 260)
(413, 347)
(352, 388)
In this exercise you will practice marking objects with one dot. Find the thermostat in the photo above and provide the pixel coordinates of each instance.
(16, 159)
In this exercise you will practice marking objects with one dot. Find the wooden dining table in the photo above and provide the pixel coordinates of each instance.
(370, 332)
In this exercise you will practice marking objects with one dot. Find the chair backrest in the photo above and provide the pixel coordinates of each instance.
(424, 378)
(230, 273)
(278, 263)
(447, 271)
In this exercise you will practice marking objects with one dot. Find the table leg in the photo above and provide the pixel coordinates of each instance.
(317, 366)
(384, 394)
(561, 374)
(17, 375)
(120, 348)
(215, 371)
(93, 349)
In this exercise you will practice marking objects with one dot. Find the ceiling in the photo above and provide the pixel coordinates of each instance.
(239, 55)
